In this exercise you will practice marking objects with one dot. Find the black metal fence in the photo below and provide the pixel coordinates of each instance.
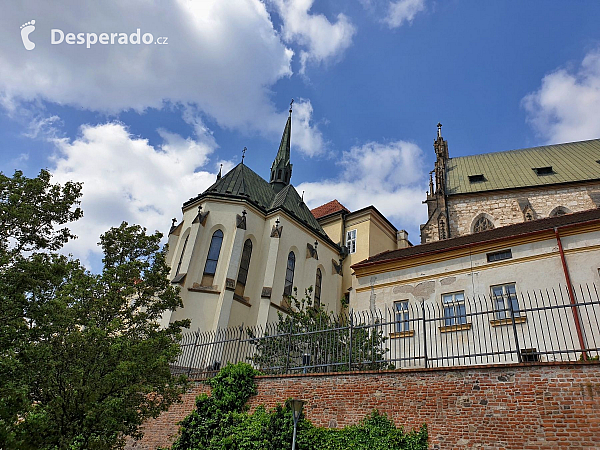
(537, 326)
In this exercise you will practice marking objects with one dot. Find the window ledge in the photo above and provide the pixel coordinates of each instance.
(280, 308)
(179, 278)
(402, 334)
(208, 289)
(243, 300)
(449, 328)
(508, 321)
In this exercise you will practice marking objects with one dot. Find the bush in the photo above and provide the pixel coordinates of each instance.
(221, 421)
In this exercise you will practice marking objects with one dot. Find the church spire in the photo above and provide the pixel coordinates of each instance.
(281, 169)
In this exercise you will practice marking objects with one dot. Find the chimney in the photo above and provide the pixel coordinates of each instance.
(402, 239)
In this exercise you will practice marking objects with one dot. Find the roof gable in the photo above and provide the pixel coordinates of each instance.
(328, 208)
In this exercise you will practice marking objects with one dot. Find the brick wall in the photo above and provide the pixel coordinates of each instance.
(503, 208)
(546, 406)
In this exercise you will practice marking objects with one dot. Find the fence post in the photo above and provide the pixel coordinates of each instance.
(193, 352)
(350, 320)
(289, 343)
(424, 334)
(239, 344)
(514, 327)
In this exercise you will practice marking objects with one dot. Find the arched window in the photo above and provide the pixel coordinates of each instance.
(279, 175)
(318, 283)
(558, 211)
(182, 253)
(244, 266)
(289, 274)
(482, 224)
(210, 268)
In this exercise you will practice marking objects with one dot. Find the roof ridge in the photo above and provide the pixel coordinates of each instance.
(526, 148)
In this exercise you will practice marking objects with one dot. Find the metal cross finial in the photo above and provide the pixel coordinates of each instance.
(243, 154)
(291, 103)
(173, 221)
(277, 222)
(439, 125)
(244, 213)
(316, 243)
(199, 208)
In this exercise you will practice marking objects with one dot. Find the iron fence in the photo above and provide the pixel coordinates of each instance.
(536, 326)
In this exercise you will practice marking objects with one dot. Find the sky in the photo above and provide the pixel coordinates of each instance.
(146, 126)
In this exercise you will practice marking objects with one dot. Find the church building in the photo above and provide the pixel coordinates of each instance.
(482, 192)
(245, 244)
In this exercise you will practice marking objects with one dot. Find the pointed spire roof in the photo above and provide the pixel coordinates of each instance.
(281, 169)
(283, 154)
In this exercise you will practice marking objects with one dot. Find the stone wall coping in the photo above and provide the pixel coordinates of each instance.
(475, 367)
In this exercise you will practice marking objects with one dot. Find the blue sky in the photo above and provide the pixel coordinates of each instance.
(145, 127)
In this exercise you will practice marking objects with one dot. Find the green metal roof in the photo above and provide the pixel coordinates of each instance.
(574, 161)
(242, 183)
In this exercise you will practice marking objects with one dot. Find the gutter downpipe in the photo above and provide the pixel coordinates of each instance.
(571, 295)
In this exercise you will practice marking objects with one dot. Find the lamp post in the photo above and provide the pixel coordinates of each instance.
(296, 410)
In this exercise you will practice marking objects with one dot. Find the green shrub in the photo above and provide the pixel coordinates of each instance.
(221, 422)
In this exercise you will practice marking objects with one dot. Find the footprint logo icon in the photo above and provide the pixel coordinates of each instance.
(26, 29)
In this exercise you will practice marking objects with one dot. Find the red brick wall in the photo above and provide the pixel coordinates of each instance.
(548, 406)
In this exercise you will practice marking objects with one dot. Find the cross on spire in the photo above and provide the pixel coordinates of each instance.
(243, 154)
(439, 125)
(291, 103)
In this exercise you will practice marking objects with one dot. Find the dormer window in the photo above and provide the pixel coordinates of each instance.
(543, 170)
(476, 178)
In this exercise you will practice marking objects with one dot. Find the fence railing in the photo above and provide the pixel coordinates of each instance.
(509, 328)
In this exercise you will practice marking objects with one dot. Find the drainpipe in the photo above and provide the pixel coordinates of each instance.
(571, 295)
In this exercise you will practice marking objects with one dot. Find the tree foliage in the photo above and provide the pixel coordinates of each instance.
(328, 343)
(221, 421)
(82, 359)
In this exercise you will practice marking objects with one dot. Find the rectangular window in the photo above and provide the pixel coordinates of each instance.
(402, 316)
(476, 178)
(454, 309)
(505, 298)
(543, 170)
(351, 241)
(499, 256)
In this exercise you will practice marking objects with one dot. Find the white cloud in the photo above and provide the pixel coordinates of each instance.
(389, 176)
(125, 178)
(324, 41)
(402, 11)
(566, 106)
(222, 57)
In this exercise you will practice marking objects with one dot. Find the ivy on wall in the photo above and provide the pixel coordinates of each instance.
(221, 421)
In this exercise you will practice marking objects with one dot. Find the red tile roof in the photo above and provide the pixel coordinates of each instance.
(328, 208)
(499, 233)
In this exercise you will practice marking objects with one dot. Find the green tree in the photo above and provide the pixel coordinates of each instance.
(329, 343)
(83, 359)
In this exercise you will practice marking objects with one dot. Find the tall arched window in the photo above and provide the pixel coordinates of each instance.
(289, 274)
(212, 259)
(318, 282)
(244, 266)
(482, 224)
(182, 253)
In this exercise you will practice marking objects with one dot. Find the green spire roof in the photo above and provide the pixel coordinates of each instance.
(283, 154)
(242, 183)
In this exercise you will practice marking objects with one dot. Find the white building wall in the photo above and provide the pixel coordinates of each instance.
(534, 266)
